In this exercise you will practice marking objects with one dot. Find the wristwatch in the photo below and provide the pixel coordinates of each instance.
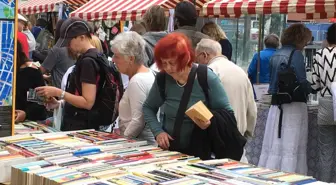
(62, 95)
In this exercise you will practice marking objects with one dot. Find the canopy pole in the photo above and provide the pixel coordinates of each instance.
(259, 46)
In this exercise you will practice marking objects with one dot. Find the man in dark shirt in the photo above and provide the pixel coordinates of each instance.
(185, 21)
(58, 61)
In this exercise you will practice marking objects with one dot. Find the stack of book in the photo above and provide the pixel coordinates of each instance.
(34, 146)
(126, 162)
(31, 127)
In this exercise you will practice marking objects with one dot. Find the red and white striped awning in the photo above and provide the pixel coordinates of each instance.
(314, 9)
(39, 6)
(123, 9)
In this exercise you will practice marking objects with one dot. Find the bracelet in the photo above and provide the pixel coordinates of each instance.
(62, 95)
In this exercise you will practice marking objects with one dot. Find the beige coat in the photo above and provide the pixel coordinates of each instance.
(239, 91)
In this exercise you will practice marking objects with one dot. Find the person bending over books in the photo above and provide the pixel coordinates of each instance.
(129, 56)
(28, 77)
(175, 56)
(85, 90)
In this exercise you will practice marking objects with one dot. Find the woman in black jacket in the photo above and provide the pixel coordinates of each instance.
(216, 33)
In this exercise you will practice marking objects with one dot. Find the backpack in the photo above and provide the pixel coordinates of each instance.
(289, 89)
(109, 92)
(288, 85)
(149, 47)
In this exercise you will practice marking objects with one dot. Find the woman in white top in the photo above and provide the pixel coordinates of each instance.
(129, 53)
(324, 70)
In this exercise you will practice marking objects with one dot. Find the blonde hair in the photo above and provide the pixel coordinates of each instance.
(95, 41)
(214, 31)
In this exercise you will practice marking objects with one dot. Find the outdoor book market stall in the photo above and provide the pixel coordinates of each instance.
(91, 157)
(312, 10)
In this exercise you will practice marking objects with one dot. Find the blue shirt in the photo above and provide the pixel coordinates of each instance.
(265, 56)
(279, 62)
(36, 31)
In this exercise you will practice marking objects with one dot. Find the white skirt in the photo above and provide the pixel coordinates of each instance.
(288, 153)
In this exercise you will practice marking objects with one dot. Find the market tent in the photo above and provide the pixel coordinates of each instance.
(123, 9)
(40, 6)
(314, 9)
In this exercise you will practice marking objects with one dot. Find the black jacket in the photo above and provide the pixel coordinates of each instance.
(221, 138)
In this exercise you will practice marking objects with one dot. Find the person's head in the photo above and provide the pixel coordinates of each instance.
(213, 31)
(22, 23)
(95, 41)
(174, 54)
(41, 22)
(155, 19)
(129, 52)
(58, 29)
(206, 50)
(185, 14)
(139, 28)
(76, 35)
(272, 41)
(331, 34)
(297, 35)
(21, 57)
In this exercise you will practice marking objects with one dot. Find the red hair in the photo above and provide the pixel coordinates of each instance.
(174, 46)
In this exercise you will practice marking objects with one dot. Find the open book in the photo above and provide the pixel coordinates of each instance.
(201, 112)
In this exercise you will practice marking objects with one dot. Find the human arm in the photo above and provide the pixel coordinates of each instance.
(150, 108)
(51, 60)
(217, 95)
(252, 70)
(136, 101)
(300, 71)
(251, 114)
(88, 77)
(20, 116)
(86, 101)
(316, 78)
(226, 48)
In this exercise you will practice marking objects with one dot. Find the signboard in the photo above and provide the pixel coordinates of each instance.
(7, 12)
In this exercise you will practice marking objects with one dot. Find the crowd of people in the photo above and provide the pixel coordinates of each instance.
(170, 72)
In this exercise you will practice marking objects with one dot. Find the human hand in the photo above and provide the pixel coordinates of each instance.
(52, 103)
(20, 116)
(48, 91)
(163, 140)
(116, 131)
(47, 77)
(202, 124)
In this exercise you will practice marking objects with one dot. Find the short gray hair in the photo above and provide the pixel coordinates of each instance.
(209, 46)
(130, 44)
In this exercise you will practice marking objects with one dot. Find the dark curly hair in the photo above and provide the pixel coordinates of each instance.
(296, 34)
(331, 34)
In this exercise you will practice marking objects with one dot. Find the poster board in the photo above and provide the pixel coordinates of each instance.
(7, 56)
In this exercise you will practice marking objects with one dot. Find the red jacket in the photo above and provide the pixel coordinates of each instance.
(22, 38)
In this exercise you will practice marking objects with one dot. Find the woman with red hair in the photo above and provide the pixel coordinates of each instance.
(175, 58)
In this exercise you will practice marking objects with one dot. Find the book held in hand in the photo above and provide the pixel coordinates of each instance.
(200, 112)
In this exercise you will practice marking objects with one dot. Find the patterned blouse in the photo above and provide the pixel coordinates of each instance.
(324, 70)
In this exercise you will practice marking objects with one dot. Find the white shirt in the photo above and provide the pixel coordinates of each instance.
(65, 77)
(30, 39)
(239, 91)
(131, 121)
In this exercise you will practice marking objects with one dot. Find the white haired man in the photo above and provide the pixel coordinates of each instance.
(236, 83)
